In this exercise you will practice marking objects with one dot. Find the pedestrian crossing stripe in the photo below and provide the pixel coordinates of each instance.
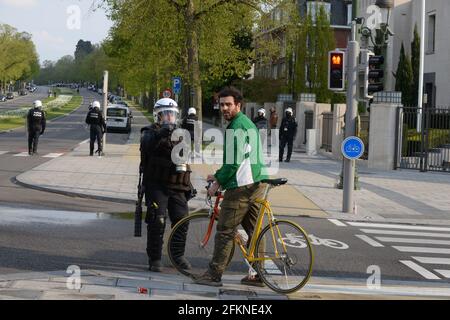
(22, 154)
(429, 260)
(426, 241)
(444, 273)
(406, 233)
(53, 155)
(420, 270)
(396, 226)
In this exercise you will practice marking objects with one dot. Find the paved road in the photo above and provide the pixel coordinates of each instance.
(25, 101)
(35, 240)
(60, 137)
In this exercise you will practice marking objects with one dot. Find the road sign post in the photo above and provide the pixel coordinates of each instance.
(176, 88)
(105, 102)
(350, 118)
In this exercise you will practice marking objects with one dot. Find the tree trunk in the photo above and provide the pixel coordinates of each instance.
(193, 58)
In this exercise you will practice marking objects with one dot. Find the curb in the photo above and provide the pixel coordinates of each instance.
(83, 195)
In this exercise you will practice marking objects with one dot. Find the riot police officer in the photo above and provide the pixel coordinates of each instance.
(288, 131)
(97, 123)
(189, 124)
(36, 126)
(167, 186)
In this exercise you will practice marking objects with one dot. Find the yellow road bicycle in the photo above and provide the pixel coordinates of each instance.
(274, 250)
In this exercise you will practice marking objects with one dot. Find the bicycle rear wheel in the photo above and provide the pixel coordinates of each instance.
(287, 266)
(193, 238)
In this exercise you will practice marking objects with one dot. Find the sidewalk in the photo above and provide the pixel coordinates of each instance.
(113, 285)
(115, 178)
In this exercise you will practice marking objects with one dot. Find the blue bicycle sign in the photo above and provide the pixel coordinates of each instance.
(352, 148)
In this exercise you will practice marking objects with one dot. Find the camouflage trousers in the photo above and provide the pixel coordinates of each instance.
(238, 208)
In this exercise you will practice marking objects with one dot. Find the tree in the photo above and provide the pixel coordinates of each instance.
(83, 49)
(316, 36)
(18, 57)
(404, 78)
(415, 61)
(203, 31)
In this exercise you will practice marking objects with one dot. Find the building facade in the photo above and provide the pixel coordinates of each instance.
(340, 13)
(405, 15)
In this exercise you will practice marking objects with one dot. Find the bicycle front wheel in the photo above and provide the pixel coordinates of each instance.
(286, 256)
(193, 238)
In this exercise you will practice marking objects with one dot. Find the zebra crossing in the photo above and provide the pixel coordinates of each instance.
(428, 247)
(25, 154)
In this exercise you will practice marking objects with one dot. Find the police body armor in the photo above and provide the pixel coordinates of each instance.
(36, 117)
(159, 167)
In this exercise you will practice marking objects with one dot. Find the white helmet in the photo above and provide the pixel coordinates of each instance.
(262, 112)
(289, 110)
(166, 111)
(96, 105)
(37, 104)
(192, 111)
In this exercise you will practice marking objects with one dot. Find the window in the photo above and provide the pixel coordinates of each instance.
(431, 33)
(314, 7)
(349, 14)
(122, 113)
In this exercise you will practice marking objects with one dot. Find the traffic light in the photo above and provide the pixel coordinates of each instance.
(371, 74)
(336, 70)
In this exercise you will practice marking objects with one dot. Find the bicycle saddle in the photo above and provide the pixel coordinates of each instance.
(275, 182)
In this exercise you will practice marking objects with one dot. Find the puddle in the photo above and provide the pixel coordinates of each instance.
(22, 216)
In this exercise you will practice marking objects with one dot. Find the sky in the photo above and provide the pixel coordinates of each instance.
(56, 25)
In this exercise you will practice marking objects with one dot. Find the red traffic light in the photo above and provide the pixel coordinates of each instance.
(337, 59)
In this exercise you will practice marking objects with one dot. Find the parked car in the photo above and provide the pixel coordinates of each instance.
(10, 95)
(118, 117)
(23, 92)
(2, 98)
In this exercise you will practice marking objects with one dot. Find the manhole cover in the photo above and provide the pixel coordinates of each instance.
(237, 293)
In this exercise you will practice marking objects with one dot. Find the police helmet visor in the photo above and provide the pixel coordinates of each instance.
(167, 116)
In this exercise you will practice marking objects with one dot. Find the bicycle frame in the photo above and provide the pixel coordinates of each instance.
(265, 210)
(213, 213)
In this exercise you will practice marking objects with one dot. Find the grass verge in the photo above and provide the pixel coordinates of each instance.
(17, 122)
(144, 111)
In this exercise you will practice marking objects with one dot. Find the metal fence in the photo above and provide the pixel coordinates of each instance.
(327, 131)
(426, 148)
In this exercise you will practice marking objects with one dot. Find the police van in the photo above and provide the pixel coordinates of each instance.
(118, 118)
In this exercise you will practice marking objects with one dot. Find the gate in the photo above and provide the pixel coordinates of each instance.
(426, 149)
(327, 131)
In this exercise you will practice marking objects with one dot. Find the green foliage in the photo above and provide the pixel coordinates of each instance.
(261, 90)
(316, 36)
(404, 78)
(415, 61)
(18, 57)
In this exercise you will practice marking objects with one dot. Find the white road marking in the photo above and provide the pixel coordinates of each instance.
(53, 155)
(445, 273)
(22, 154)
(85, 141)
(428, 260)
(271, 268)
(406, 233)
(370, 241)
(422, 250)
(396, 226)
(422, 271)
(412, 240)
(337, 222)
(3, 152)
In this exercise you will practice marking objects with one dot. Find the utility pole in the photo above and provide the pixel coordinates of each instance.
(105, 102)
(351, 115)
(422, 67)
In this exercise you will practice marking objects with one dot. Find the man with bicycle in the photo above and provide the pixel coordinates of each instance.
(241, 176)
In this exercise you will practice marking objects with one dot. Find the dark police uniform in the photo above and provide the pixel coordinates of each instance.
(36, 127)
(189, 124)
(288, 131)
(97, 123)
(166, 190)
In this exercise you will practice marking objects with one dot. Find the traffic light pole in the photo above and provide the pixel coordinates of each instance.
(105, 102)
(353, 51)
